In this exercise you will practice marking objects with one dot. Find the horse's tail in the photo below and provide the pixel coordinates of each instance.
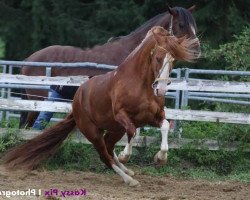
(24, 115)
(31, 153)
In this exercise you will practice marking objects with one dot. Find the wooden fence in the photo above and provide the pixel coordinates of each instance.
(177, 84)
(175, 114)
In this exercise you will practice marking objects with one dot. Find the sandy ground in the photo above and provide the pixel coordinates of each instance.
(106, 186)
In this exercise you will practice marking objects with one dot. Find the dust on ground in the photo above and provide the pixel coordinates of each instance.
(110, 186)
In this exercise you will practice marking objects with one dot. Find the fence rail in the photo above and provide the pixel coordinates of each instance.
(186, 94)
(58, 64)
(177, 84)
(191, 89)
(175, 114)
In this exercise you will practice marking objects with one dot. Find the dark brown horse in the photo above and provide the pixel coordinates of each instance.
(107, 106)
(178, 20)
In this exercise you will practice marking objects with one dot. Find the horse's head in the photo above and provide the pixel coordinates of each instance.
(167, 49)
(183, 24)
(175, 48)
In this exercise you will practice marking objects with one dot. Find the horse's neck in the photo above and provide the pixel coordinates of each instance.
(137, 66)
(116, 52)
(139, 34)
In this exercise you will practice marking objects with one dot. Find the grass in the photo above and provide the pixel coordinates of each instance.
(182, 163)
(197, 164)
(9, 139)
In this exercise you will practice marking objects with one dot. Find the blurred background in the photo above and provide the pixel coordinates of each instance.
(27, 26)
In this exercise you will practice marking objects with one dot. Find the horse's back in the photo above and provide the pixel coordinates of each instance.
(65, 54)
(55, 53)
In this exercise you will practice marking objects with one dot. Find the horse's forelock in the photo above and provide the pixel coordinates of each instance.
(187, 17)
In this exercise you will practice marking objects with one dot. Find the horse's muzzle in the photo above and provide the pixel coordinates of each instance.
(160, 88)
(197, 49)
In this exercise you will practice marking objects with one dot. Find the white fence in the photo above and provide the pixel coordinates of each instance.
(21, 81)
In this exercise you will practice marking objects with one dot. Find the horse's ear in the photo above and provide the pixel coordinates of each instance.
(192, 8)
(172, 11)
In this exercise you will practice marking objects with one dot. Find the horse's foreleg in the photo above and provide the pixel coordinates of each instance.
(126, 153)
(123, 118)
(161, 157)
(130, 128)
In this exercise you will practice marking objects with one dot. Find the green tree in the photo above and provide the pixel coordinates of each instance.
(27, 26)
(235, 54)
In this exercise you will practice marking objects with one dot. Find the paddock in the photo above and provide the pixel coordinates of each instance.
(110, 186)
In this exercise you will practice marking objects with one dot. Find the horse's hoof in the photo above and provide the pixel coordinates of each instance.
(133, 183)
(123, 158)
(159, 162)
(130, 172)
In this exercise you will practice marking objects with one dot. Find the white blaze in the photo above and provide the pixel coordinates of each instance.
(160, 88)
(193, 29)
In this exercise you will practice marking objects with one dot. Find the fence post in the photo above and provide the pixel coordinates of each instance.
(8, 113)
(48, 71)
(184, 100)
(177, 95)
(177, 102)
(3, 92)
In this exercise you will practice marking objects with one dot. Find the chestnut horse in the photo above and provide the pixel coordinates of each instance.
(110, 105)
(178, 20)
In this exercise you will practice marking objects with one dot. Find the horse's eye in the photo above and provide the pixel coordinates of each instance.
(181, 25)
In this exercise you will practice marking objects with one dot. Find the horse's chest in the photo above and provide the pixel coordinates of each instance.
(147, 111)
(148, 107)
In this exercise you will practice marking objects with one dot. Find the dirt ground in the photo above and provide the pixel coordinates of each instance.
(109, 186)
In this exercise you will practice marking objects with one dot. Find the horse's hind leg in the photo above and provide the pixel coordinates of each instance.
(110, 162)
(95, 136)
(122, 167)
(110, 140)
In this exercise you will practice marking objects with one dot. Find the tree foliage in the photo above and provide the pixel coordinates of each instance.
(39, 23)
(27, 26)
(234, 54)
